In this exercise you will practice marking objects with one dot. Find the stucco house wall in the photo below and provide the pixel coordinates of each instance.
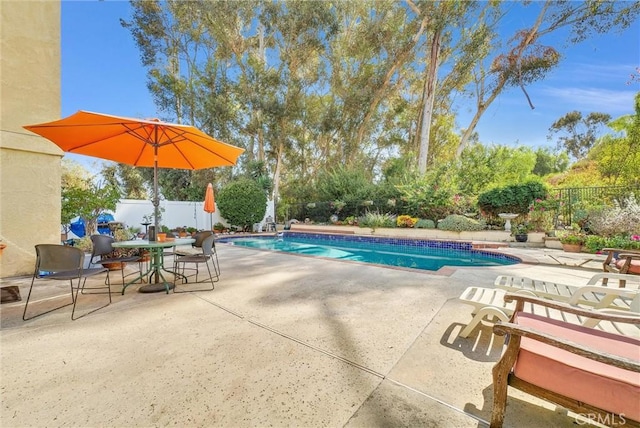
(30, 71)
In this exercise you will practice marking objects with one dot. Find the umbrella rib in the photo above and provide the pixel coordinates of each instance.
(173, 141)
(180, 136)
(231, 162)
(133, 131)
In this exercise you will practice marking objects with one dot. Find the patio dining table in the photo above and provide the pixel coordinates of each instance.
(156, 264)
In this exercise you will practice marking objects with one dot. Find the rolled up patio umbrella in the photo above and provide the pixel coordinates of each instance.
(138, 142)
(210, 203)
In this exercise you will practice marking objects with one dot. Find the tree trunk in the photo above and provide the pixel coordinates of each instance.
(91, 226)
(428, 99)
(482, 107)
(276, 179)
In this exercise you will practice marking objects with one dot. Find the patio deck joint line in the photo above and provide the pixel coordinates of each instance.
(221, 307)
(315, 348)
(479, 419)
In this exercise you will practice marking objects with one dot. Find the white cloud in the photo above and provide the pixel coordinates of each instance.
(598, 73)
(594, 99)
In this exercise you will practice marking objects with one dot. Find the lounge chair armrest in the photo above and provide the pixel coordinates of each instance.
(629, 293)
(521, 299)
(631, 280)
(621, 250)
(575, 348)
(611, 251)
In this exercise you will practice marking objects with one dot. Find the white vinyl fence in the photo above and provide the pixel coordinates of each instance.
(175, 214)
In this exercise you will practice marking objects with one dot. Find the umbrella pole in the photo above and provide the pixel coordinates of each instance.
(156, 202)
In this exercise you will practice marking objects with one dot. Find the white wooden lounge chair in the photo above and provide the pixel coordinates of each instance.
(490, 307)
(563, 293)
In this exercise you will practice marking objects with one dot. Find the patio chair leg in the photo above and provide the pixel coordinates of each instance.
(487, 312)
(75, 299)
(24, 313)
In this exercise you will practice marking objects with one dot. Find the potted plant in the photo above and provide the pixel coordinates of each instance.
(521, 232)
(120, 235)
(572, 240)
(182, 231)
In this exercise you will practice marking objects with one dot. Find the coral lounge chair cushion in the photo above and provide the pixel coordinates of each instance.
(633, 268)
(609, 388)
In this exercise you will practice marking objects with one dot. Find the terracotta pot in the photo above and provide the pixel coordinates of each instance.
(114, 265)
(572, 248)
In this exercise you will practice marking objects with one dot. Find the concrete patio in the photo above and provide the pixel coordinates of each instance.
(282, 341)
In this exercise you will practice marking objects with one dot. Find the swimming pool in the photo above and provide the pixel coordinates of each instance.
(400, 252)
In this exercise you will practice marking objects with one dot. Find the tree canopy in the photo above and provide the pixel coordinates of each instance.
(307, 86)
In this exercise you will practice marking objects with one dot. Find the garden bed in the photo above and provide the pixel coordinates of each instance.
(483, 235)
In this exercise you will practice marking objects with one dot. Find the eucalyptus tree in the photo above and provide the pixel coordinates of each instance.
(370, 76)
(183, 77)
(525, 59)
(456, 35)
(298, 32)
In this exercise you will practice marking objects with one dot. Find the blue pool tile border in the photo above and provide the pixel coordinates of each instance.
(398, 242)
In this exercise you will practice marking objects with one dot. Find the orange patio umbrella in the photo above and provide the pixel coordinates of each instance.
(138, 142)
(210, 203)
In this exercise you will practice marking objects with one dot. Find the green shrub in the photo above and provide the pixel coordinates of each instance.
(594, 243)
(430, 196)
(515, 198)
(375, 220)
(425, 224)
(460, 223)
(242, 203)
(351, 220)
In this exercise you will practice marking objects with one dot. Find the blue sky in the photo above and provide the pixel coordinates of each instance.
(102, 72)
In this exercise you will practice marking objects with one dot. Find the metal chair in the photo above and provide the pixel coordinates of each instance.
(199, 239)
(61, 262)
(207, 256)
(102, 247)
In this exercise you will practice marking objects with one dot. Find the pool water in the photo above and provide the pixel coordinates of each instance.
(407, 253)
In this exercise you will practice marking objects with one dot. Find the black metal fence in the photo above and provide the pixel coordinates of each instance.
(575, 200)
